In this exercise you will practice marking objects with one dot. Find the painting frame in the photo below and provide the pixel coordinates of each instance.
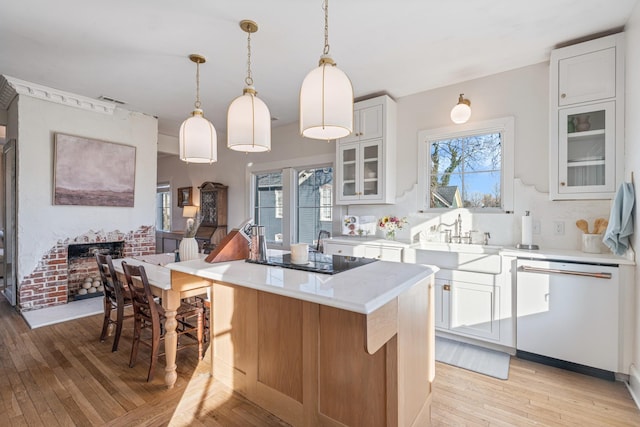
(185, 196)
(93, 172)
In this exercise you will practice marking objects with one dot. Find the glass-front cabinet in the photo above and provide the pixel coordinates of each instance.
(361, 173)
(586, 149)
(365, 161)
(586, 119)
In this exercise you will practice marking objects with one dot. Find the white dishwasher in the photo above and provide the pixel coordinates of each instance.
(568, 312)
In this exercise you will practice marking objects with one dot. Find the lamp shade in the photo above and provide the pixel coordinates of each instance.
(462, 111)
(198, 139)
(326, 102)
(248, 123)
(189, 211)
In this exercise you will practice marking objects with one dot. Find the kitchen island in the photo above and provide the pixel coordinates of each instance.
(354, 348)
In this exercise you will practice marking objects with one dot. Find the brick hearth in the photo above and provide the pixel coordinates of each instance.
(47, 285)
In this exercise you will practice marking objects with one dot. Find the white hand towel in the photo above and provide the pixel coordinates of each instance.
(620, 226)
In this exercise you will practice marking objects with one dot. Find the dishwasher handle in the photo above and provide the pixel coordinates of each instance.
(530, 269)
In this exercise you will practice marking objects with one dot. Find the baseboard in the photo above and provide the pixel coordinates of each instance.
(634, 384)
(569, 366)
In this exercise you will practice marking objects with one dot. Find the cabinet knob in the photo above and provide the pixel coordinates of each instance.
(563, 95)
(340, 251)
(446, 287)
(563, 184)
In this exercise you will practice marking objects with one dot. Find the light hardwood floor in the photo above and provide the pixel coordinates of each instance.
(63, 375)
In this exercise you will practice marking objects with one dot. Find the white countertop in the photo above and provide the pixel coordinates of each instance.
(368, 240)
(568, 255)
(362, 290)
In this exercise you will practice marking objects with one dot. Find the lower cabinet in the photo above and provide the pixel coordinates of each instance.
(472, 305)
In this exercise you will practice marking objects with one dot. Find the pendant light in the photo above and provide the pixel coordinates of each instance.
(461, 112)
(248, 118)
(326, 97)
(198, 140)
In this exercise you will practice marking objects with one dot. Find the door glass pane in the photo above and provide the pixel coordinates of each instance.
(268, 205)
(586, 148)
(315, 203)
(349, 172)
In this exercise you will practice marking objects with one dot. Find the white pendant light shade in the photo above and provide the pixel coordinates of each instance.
(462, 111)
(198, 140)
(326, 102)
(249, 124)
(248, 118)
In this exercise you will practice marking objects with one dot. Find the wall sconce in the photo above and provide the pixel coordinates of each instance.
(462, 111)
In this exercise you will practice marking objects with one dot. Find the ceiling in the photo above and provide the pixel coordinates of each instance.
(137, 51)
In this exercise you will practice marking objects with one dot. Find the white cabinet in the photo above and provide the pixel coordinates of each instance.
(367, 121)
(472, 303)
(365, 172)
(586, 151)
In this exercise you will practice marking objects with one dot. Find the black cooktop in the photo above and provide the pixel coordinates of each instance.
(318, 262)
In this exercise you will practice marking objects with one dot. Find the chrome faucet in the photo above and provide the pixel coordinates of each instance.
(458, 226)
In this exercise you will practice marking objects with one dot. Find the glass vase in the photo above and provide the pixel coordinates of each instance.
(390, 235)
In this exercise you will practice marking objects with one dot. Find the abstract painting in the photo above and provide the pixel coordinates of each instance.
(90, 172)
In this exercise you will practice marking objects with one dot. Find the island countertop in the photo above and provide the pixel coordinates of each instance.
(362, 290)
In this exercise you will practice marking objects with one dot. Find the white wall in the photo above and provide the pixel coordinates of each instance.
(231, 167)
(632, 163)
(40, 223)
(521, 93)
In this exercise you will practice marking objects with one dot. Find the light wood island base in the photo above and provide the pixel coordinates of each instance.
(314, 365)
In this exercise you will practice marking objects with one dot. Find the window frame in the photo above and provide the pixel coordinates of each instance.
(505, 126)
(289, 169)
(164, 188)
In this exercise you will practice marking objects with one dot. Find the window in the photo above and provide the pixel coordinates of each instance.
(268, 204)
(293, 202)
(163, 206)
(469, 166)
(315, 203)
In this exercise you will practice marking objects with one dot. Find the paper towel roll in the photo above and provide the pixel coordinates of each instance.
(527, 230)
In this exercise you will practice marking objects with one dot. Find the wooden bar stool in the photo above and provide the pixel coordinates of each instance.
(148, 314)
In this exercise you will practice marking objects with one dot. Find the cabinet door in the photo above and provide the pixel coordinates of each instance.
(370, 123)
(475, 310)
(384, 253)
(367, 123)
(331, 248)
(371, 167)
(442, 291)
(586, 149)
(349, 164)
(587, 77)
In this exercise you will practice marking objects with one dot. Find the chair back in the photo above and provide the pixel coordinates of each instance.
(323, 234)
(143, 303)
(113, 288)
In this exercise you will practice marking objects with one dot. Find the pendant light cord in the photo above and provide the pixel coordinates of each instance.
(197, 104)
(325, 6)
(249, 79)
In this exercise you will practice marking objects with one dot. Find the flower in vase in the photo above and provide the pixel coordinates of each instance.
(390, 224)
(192, 225)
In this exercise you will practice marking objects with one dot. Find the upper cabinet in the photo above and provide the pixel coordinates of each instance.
(365, 172)
(586, 121)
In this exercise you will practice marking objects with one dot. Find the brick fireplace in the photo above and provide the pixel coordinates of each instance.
(48, 284)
